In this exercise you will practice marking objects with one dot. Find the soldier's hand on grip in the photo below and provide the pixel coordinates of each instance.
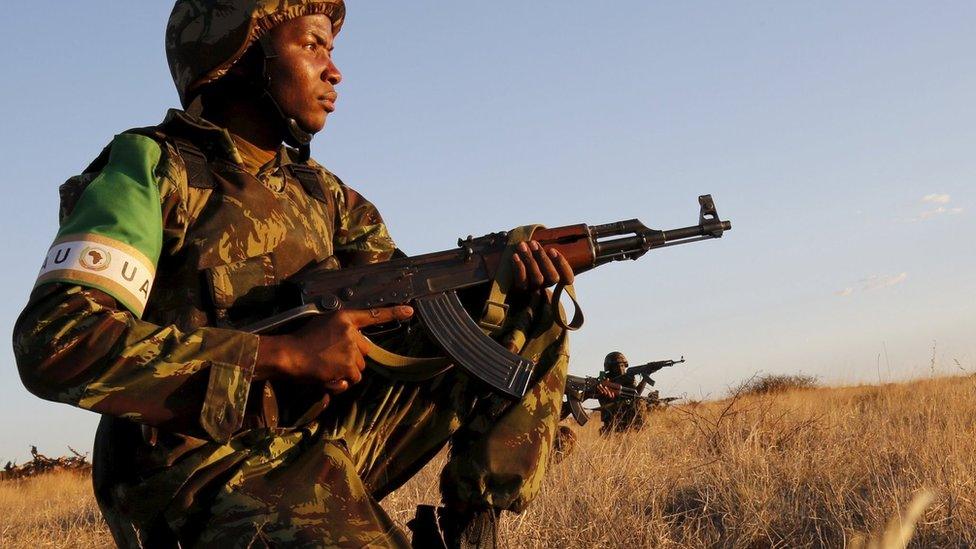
(329, 349)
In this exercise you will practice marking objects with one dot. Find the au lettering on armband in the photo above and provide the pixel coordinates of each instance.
(97, 261)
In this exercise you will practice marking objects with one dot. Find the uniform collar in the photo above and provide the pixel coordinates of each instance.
(217, 141)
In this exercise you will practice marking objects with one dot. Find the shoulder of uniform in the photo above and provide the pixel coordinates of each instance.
(318, 181)
(326, 174)
(190, 143)
(178, 168)
(129, 153)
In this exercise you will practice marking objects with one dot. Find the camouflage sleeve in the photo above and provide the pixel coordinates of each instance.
(81, 341)
(361, 236)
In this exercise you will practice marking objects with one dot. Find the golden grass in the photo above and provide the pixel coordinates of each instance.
(810, 468)
(54, 510)
(867, 467)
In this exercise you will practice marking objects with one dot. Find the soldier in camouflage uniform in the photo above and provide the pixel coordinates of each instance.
(177, 235)
(619, 414)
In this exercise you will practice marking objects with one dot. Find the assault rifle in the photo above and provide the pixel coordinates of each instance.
(429, 283)
(649, 368)
(653, 399)
(579, 389)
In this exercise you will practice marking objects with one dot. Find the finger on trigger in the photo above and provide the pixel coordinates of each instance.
(379, 315)
(337, 386)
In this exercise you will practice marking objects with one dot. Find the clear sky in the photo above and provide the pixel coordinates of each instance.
(838, 137)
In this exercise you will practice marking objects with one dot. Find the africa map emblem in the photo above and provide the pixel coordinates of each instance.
(95, 258)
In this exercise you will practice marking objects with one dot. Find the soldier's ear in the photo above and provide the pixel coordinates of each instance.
(250, 66)
(243, 79)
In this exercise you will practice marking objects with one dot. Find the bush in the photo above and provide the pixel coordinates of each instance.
(777, 383)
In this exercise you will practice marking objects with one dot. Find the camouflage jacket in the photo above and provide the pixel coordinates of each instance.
(133, 314)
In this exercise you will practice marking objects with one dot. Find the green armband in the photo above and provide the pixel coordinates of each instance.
(113, 237)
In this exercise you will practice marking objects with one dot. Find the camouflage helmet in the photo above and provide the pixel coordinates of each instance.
(204, 38)
(612, 359)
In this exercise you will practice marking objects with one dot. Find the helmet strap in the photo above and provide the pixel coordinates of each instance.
(292, 132)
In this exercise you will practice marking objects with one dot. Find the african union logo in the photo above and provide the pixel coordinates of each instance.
(95, 258)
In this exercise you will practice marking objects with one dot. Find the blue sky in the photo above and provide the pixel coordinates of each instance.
(838, 139)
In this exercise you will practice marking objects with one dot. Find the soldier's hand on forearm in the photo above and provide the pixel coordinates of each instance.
(607, 389)
(329, 349)
(537, 268)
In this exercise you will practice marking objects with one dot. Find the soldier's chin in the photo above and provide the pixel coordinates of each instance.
(315, 125)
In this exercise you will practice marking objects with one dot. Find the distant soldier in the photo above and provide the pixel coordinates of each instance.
(180, 234)
(617, 413)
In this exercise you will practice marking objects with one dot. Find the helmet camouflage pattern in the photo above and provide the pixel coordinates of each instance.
(204, 38)
(612, 359)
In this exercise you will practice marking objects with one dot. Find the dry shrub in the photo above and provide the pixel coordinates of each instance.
(42, 465)
(776, 383)
(818, 468)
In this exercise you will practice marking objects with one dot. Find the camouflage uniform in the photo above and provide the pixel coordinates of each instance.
(619, 414)
(190, 450)
(622, 414)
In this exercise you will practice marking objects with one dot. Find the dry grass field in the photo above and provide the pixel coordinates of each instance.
(830, 467)
(55, 510)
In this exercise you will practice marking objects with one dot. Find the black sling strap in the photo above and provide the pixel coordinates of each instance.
(199, 176)
(198, 173)
(311, 180)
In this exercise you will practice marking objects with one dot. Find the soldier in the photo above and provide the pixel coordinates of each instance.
(177, 235)
(620, 414)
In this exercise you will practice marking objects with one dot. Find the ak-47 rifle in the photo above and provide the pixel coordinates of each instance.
(651, 367)
(429, 283)
(651, 398)
(580, 388)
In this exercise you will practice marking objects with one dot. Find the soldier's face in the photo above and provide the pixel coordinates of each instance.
(303, 76)
(618, 366)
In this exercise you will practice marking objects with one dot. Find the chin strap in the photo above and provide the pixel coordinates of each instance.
(292, 132)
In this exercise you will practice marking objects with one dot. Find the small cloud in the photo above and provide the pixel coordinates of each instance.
(874, 282)
(938, 211)
(877, 282)
(929, 214)
(936, 198)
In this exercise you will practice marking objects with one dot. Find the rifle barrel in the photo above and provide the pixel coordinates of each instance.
(649, 239)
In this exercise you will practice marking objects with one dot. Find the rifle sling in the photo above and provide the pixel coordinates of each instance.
(493, 317)
(405, 368)
(495, 307)
(557, 311)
